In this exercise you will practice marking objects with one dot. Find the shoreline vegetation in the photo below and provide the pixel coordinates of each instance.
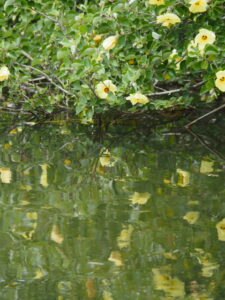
(107, 61)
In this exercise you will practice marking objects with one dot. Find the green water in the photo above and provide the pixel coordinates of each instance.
(129, 216)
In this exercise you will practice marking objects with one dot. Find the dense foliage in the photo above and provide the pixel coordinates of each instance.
(95, 56)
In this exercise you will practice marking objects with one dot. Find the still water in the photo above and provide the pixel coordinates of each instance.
(128, 217)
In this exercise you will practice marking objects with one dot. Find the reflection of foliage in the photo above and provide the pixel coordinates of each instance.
(101, 231)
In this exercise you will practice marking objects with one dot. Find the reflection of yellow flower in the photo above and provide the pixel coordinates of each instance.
(183, 178)
(105, 159)
(204, 37)
(107, 295)
(191, 217)
(56, 236)
(123, 239)
(198, 6)
(221, 230)
(140, 198)
(220, 80)
(110, 42)
(115, 256)
(168, 19)
(44, 175)
(137, 98)
(4, 73)
(103, 88)
(172, 286)
(206, 167)
(5, 175)
(204, 259)
(156, 2)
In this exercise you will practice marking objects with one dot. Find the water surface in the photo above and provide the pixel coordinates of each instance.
(136, 217)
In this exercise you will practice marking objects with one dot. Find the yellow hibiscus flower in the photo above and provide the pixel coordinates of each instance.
(4, 73)
(103, 88)
(220, 80)
(138, 98)
(110, 42)
(198, 6)
(168, 19)
(97, 38)
(204, 37)
(156, 2)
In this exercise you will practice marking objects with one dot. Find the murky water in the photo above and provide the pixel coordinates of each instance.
(132, 217)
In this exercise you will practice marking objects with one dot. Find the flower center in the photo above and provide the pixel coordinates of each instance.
(106, 89)
(223, 226)
(222, 79)
(197, 3)
(204, 37)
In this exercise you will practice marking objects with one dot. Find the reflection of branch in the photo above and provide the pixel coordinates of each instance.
(203, 143)
(204, 116)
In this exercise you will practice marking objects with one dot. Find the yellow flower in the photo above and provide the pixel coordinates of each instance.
(198, 6)
(204, 37)
(191, 217)
(110, 42)
(175, 57)
(220, 80)
(221, 230)
(156, 2)
(103, 88)
(139, 198)
(137, 98)
(168, 19)
(4, 73)
(97, 38)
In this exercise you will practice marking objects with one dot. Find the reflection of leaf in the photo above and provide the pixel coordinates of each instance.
(139, 198)
(56, 236)
(221, 230)
(5, 175)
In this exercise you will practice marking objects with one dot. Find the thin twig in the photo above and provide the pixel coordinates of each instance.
(165, 93)
(205, 115)
(47, 77)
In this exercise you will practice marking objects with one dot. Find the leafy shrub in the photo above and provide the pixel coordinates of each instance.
(58, 52)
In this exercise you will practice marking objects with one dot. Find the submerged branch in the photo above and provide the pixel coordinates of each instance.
(205, 115)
